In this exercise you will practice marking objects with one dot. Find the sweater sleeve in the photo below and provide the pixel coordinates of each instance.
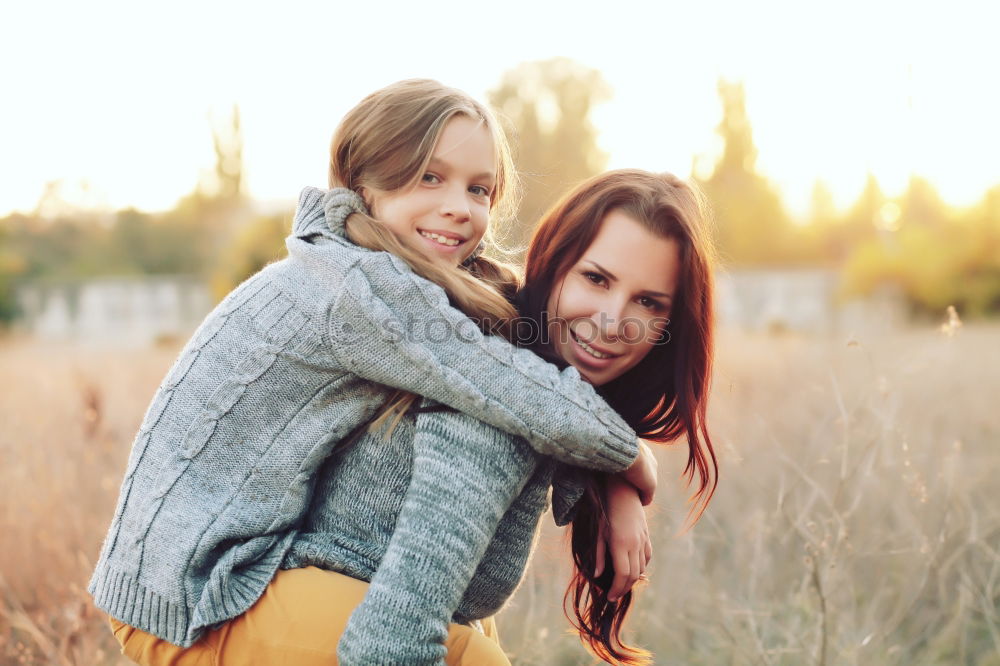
(568, 486)
(390, 326)
(465, 476)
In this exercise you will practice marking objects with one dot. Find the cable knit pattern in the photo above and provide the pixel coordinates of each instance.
(225, 465)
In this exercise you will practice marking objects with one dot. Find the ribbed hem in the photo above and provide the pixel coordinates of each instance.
(237, 581)
(568, 486)
(623, 446)
(124, 598)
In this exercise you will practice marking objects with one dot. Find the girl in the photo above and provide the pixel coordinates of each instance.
(292, 362)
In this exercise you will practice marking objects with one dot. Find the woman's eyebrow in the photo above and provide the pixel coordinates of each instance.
(612, 276)
(601, 268)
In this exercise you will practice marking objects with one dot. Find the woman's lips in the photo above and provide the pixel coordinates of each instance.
(588, 359)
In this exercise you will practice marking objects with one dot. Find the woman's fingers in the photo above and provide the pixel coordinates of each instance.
(637, 568)
(623, 571)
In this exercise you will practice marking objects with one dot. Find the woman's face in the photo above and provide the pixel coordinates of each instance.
(612, 306)
(445, 213)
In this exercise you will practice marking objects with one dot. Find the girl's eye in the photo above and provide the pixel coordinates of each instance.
(596, 278)
(430, 178)
(480, 191)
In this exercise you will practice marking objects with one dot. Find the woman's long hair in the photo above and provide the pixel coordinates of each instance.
(665, 396)
(385, 143)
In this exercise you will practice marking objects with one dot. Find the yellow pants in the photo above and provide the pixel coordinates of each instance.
(297, 622)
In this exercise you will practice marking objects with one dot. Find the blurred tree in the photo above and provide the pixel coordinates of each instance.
(863, 217)
(12, 266)
(939, 256)
(812, 240)
(227, 139)
(555, 143)
(751, 223)
(978, 233)
(252, 248)
(922, 205)
(834, 236)
(159, 244)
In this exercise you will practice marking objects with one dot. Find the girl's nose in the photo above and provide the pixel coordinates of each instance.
(455, 204)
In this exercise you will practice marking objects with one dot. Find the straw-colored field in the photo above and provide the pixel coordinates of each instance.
(856, 522)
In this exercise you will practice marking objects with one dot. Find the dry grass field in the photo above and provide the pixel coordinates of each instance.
(856, 522)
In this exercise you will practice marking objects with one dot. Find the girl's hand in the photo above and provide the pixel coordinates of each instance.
(625, 536)
(642, 473)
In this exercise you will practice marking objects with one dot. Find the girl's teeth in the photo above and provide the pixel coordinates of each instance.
(441, 239)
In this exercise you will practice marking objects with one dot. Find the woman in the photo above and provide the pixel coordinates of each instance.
(650, 356)
(618, 285)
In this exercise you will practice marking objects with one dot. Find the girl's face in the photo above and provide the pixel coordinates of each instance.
(612, 306)
(445, 213)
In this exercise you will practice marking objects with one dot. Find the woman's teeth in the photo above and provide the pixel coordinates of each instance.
(440, 239)
(590, 350)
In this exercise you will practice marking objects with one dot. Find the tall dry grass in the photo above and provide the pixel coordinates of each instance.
(68, 417)
(856, 520)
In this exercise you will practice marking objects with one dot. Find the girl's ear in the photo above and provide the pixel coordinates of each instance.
(366, 196)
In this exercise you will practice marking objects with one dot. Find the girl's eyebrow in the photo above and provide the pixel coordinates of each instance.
(611, 276)
(441, 164)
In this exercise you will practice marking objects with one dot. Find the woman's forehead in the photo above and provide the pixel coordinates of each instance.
(633, 254)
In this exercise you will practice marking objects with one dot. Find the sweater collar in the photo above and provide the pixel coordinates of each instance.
(325, 211)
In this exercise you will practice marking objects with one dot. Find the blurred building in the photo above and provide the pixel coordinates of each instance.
(116, 310)
(802, 300)
(147, 309)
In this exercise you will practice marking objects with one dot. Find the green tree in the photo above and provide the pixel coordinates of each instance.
(751, 223)
(253, 247)
(555, 143)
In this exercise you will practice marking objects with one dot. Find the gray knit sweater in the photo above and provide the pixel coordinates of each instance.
(441, 519)
(225, 463)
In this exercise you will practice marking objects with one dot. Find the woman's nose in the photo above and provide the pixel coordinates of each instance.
(610, 319)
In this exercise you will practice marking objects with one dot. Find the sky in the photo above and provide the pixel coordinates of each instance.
(119, 95)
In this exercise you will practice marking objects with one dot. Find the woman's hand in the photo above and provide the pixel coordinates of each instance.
(625, 537)
(642, 473)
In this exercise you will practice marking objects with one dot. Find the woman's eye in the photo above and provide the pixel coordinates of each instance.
(430, 178)
(591, 276)
(649, 303)
(480, 191)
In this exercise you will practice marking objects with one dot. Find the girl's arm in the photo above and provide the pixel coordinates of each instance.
(393, 327)
(465, 476)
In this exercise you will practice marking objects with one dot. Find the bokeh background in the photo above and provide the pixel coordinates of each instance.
(150, 156)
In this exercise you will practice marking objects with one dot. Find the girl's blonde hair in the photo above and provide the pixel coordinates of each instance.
(385, 143)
